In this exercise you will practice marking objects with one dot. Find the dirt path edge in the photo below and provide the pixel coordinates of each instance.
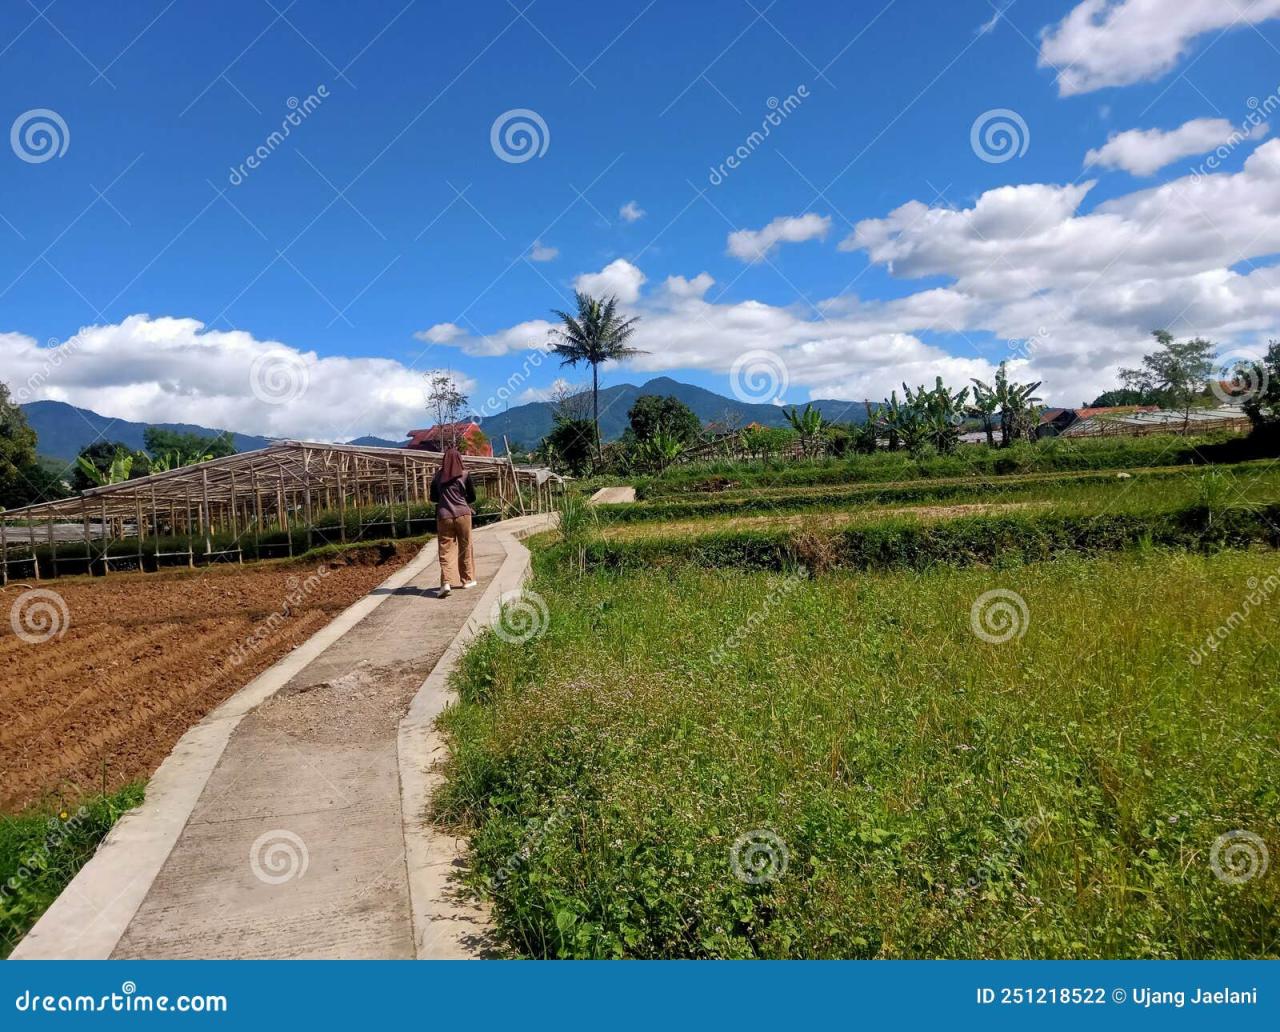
(90, 916)
(446, 925)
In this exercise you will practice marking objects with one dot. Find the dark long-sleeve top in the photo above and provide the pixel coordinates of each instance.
(453, 497)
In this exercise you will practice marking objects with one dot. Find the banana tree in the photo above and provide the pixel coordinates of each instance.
(175, 460)
(117, 473)
(810, 425)
(1019, 407)
(985, 403)
(940, 411)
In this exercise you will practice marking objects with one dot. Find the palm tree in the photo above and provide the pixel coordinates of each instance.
(596, 334)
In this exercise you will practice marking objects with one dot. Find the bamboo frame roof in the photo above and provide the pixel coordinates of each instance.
(286, 465)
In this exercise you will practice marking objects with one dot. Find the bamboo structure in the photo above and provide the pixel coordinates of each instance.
(285, 488)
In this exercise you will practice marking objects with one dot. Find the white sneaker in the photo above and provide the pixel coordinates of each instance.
(469, 584)
(444, 591)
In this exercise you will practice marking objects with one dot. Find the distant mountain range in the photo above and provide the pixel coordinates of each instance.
(526, 425)
(65, 430)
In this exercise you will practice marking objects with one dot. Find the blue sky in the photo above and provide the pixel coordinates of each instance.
(387, 212)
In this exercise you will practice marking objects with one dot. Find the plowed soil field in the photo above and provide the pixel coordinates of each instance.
(99, 686)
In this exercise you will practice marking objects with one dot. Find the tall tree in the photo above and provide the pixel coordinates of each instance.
(595, 334)
(653, 414)
(159, 441)
(1179, 368)
(445, 401)
(17, 450)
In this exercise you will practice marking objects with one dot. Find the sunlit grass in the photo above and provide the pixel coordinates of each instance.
(938, 795)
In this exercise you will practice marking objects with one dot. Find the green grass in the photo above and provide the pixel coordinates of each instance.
(1057, 795)
(1255, 478)
(43, 847)
(1053, 455)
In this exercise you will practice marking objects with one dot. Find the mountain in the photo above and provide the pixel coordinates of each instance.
(526, 425)
(63, 431)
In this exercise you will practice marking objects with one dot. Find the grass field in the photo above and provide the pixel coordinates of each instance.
(1055, 795)
(1025, 714)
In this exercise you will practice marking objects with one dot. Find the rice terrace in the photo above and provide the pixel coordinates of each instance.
(896, 578)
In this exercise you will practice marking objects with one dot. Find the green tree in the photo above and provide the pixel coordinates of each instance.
(567, 447)
(809, 425)
(653, 414)
(17, 452)
(1019, 407)
(159, 441)
(985, 404)
(1179, 369)
(1262, 405)
(595, 334)
(940, 412)
(108, 462)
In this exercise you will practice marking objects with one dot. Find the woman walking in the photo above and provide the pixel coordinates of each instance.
(453, 492)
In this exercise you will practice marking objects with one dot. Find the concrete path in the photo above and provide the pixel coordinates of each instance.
(612, 495)
(295, 847)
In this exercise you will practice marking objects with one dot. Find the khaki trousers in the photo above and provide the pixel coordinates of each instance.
(454, 536)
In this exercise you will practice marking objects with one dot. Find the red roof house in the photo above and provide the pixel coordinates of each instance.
(468, 437)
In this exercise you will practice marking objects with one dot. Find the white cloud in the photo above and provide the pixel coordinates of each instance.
(1118, 42)
(1022, 263)
(753, 244)
(678, 286)
(997, 13)
(632, 212)
(177, 370)
(530, 335)
(618, 279)
(540, 252)
(441, 333)
(1144, 152)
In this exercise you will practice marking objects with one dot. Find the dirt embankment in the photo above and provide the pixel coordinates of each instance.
(108, 675)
